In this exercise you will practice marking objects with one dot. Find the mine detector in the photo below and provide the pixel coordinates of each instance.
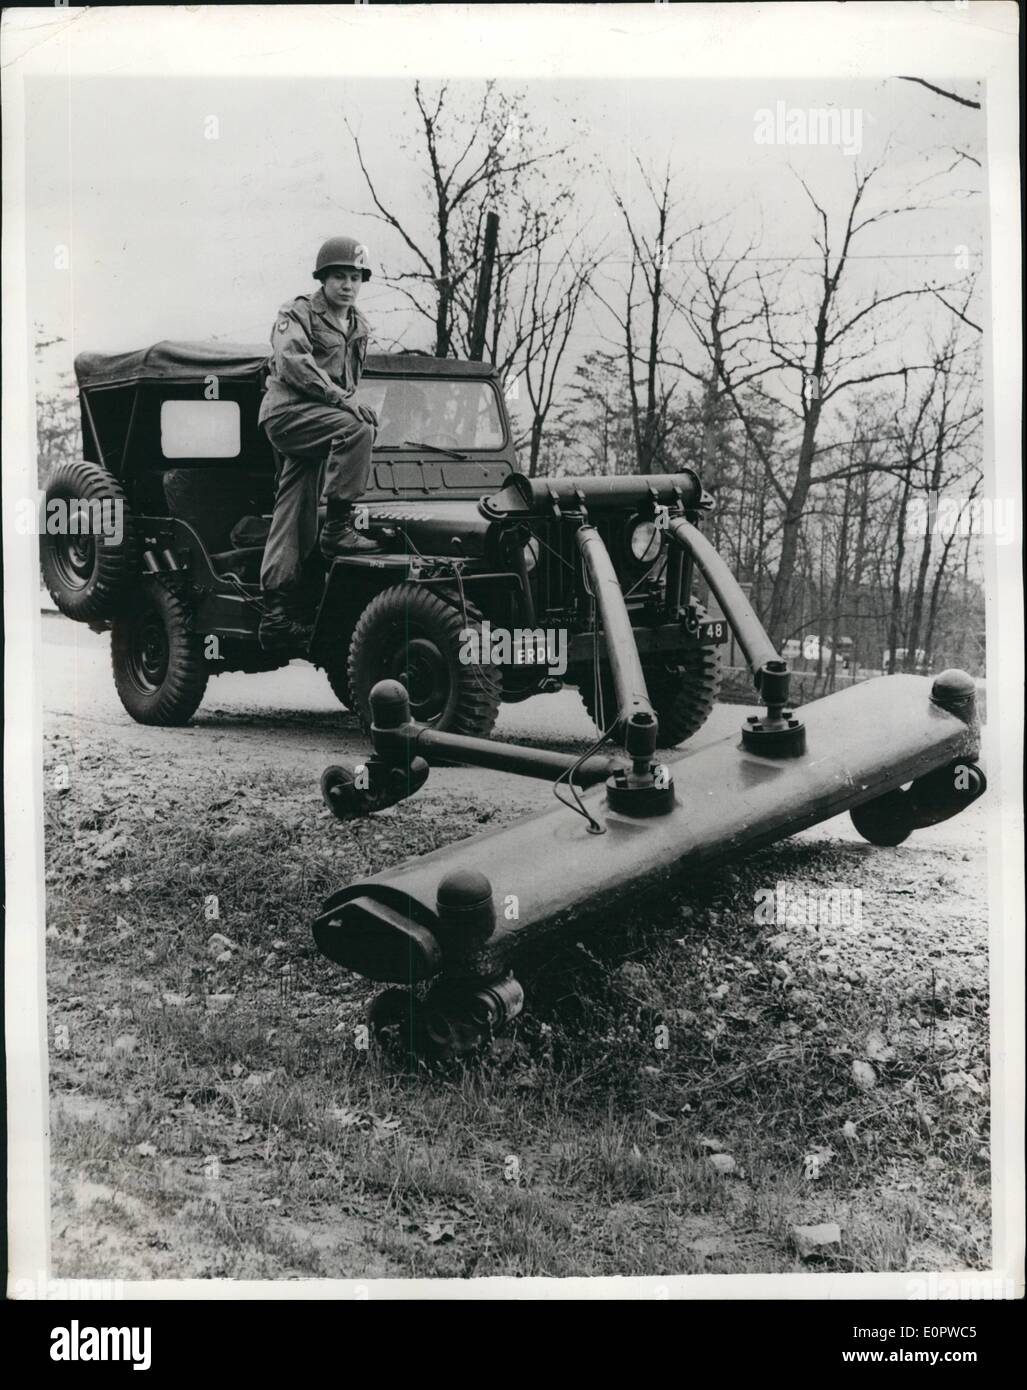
(898, 753)
(620, 565)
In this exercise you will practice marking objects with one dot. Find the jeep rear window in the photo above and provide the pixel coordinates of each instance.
(432, 410)
(199, 429)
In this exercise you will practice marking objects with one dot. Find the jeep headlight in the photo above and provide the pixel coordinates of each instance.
(646, 541)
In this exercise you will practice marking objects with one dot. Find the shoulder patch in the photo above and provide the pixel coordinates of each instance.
(283, 324)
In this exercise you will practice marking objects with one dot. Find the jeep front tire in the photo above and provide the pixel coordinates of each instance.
(336, 668)
(683, 688)
(409, 634)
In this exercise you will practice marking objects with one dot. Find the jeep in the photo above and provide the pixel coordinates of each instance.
(478, 565)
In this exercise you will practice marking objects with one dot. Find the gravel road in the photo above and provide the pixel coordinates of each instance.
(290, 720)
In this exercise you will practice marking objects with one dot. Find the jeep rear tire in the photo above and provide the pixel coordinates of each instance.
(683, 687)
(409, 634)
(89, 576)
(158, 662)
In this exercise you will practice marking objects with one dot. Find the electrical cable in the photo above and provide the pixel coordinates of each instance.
(490, 686)
(594, 828)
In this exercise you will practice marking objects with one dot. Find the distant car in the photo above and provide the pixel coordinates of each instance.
(469, 548)
(920, 663)
(809, 648)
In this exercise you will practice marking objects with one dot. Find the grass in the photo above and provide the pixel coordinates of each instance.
(225, 1100)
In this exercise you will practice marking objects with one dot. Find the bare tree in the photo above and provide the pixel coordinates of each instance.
(941, 91)
(942, 573)
(543, 320)
(591, 425)
(944, 421)
(473, 160)
(816, 352)
(647, 313)
(955, 421)
(58, 427)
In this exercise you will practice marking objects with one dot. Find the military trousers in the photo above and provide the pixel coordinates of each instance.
(324, 448)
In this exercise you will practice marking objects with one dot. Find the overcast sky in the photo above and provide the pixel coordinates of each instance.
(175, 235)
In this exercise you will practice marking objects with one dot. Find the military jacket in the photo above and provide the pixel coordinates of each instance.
(311, 359)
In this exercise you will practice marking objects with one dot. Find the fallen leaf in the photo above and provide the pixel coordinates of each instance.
(344, 1116)
(878, 1049)
(438, 1232)
(814, 1163)
(722, 1163)
(810, 1239)
(864, 1075)
(661, 1123)
(961, 1081)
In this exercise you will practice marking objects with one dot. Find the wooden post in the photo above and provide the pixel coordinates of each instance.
(481, 302)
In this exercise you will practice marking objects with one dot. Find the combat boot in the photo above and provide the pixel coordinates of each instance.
(280, 629)
(340, 537)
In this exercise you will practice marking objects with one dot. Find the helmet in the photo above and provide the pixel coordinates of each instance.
(343, 251)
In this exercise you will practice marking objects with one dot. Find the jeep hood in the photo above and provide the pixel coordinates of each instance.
(433, 526)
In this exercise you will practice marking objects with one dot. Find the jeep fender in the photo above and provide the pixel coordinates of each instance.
(352, 583)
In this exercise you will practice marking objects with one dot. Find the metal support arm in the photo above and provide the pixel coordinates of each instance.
(778, 733)
(397, 737)
(638, 790)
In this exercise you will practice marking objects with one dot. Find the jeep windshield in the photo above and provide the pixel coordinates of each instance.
(434, 413)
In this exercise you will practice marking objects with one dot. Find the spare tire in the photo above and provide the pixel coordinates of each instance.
(89, 557)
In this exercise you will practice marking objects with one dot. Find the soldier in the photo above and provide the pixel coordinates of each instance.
(319, 343)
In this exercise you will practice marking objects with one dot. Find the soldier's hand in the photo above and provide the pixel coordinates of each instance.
(367, 414)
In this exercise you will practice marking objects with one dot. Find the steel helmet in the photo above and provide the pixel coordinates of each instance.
(343, 251)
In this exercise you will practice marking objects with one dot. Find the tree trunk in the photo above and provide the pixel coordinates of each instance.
(838, 594)
(792, 526)
(895, 609)
(925, 555)
(534, 447)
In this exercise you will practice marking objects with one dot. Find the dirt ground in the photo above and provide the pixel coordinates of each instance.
(688, 1086)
